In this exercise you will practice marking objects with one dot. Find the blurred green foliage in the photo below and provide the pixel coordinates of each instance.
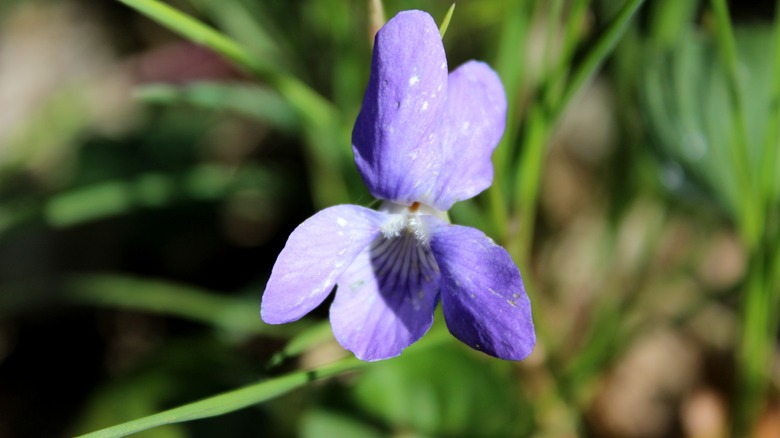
(155, 156)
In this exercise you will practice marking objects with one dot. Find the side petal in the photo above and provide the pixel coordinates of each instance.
(472, 124)
(396, 148)
(482, 294)
(385, 300)
(316, 254)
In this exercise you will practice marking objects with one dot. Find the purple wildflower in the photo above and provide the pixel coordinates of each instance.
(422, 141)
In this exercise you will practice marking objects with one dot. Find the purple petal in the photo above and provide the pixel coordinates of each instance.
(482, 294)
(394, 141)
(315, 256)
(472, 125)
(421, 135)
(385, 300)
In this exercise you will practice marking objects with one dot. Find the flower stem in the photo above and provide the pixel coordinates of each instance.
(749, 210)
(754, 353)
(230, 401)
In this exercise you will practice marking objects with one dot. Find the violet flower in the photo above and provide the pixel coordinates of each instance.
(422, 141)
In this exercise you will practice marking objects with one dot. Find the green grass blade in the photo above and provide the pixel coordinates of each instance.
(235, 315)
(319, 116)
(770, 167)
(749, 211)
(528, 178)
(511, 69)
(250, 100)
(200, 33)
(154, 189)
(317, 334)
(446, 22)
(602, 48)
(230, 401)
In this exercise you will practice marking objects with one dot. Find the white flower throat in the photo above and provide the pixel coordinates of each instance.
(407, 219)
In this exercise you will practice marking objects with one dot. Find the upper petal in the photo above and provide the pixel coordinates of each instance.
(313, 259)
(482, 293)
(473, 122)
(385, 300)
(394, 139)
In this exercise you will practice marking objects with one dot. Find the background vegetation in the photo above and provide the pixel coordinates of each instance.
(155, 156)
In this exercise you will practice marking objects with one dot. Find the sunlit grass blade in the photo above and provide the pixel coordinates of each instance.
(321, 121)
(235, 315)
(230, 401)
(241, 21)
(249, 100)
(305, 340)
(200, 33)
(528, 177)
(603, 46)
(749, 218)
(668, 19)
(770, 172)
(445, 23)
(116, 197)
(511, 68)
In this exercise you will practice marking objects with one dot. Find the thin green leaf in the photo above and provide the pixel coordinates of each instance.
(527, 179)
(234, 315)
(112, 198)
(241, 21)
(511, 69)
(749, 211)
(200, 33)
(230, 401)
(770, 165)
(246, 99)
(321, 121)
(598, 54)
(446, 22)
(305, 340)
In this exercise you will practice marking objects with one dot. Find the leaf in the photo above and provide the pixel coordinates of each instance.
(321, 423)
(232, 314)
(246, 99)
(116, 197)
(200, 33)
(445, 23)
(230, 401)
(685, 99)
(445, 391)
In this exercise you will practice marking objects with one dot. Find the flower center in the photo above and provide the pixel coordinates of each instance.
(408, 220)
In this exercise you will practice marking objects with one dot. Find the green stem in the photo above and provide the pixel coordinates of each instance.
(755, 350)
(750, 222)
(230, 401)
(198, 32)
(527, 183)
(602, 48)
(573, 28)
(511, 69)
(541, 121)
(772, 139)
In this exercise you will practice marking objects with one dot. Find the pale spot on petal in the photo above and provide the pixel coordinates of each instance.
(413, 80)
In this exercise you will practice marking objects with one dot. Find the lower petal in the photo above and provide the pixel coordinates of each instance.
(315, 256)
(482, 293)
(385, 300)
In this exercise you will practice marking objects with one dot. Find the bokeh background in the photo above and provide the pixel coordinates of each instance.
(148, 182)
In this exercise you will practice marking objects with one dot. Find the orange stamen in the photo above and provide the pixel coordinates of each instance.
(413, 208)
